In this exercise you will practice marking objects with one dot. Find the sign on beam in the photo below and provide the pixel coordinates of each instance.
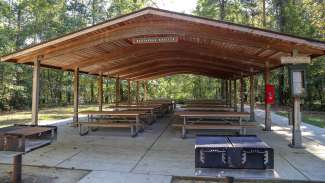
(295, 60)
(151, 40)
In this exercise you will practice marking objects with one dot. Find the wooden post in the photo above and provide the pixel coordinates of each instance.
(222, 87)
(296, 131)
(117, 91)
(235, 96)
(100, 92)
(241, 94)
(137, 93)
(75, 95)
(267, 106)
(129, 91)
(252, 97)
(145, 90)
(226, 92)
(230, 92)
(35, 94)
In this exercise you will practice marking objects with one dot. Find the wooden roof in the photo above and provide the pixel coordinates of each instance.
(204, 47)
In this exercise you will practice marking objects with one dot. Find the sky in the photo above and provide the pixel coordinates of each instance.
(182, 6)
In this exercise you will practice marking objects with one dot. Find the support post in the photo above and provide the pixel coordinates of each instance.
(117, 91)
(75, 95)
(296, 131)
(268, 121)
(226, 92)
(100, 92)
(137, 92)
(35, 94)
(230, 92)
(17, 166)
(252, 98)
(129, 91)
(235, 96)
(145, 90)
(241, 94)
(222, 89)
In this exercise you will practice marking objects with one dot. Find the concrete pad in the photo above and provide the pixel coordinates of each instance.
(50, 156)
(104, 158)
(118, 177)
(43, 174)
(159, 153)
(167, 163)
(311, 166)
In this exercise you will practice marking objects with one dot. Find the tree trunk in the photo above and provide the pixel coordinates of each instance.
(223, 9)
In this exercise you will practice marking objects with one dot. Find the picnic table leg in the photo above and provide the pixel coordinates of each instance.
(94, 128)
(242, 130)
(153, 116)
(16, 174)
(80, 127)
(138, 127)
(183, 128)
(133, 133)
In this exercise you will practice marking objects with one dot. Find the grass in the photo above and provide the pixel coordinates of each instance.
(313, 118)
(47, 114)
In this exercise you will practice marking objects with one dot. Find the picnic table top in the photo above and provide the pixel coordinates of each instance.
(114, 113)
(23, 130)
(211, 114)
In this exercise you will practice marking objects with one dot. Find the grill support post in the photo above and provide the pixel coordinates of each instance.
(17, 166)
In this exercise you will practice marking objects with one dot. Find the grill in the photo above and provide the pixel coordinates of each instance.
(20, 139)
(240, 152)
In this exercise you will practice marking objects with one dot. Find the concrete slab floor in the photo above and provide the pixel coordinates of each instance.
(159, 153)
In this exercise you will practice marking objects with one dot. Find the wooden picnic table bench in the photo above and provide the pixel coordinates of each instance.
(130, 119)
(189, 124)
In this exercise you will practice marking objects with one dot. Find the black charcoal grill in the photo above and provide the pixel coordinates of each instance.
(240, 152)
(20, 139)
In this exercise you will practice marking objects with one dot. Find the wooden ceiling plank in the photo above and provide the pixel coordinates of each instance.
(151, 57)
(168, 27)
(138, 50)
(206, 68)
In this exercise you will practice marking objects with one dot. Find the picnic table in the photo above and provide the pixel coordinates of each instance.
(159, 109)
(151, 110)
(18, 140)
(208, 108)
(205, 105)
(204, 102)
(167, 104)
(117, 119)
(201, 123)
